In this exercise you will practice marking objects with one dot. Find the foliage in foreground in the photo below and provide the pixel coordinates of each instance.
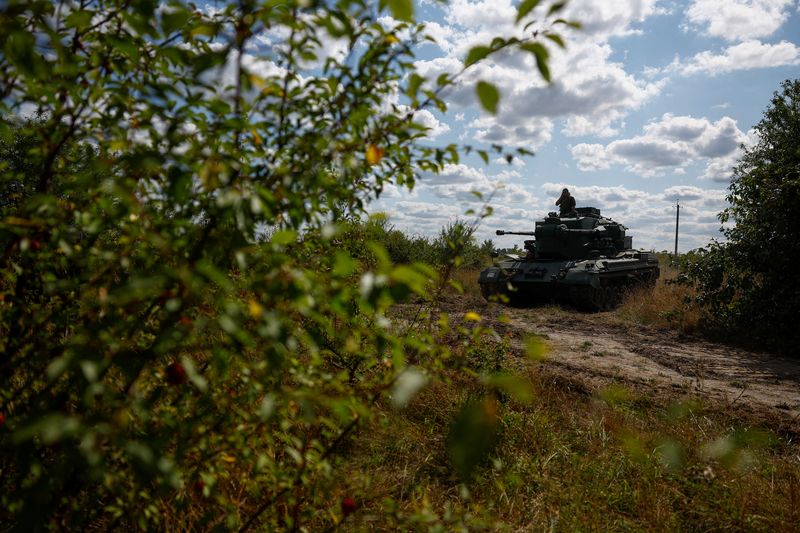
(577, 460)
(749, 284)
(151, 337)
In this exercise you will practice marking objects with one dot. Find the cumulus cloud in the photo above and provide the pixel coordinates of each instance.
(669, 145)
(591, 94)
(617, 19)
(743, 56)
(518, 130)
(459, 182)
(738, 20)
(434, 125)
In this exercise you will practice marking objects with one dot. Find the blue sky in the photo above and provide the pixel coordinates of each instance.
(649, 103)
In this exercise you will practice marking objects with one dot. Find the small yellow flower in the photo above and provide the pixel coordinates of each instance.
(256, 309)
(391, 39)
(374, 154)
(472, 316)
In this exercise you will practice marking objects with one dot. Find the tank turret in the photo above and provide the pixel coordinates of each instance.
(587, 259)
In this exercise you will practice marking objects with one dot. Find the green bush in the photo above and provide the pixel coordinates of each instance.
(184, 337)
(749, 283)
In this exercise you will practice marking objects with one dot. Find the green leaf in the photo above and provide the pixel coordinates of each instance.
(555, 8)
(525, 7)
(174, 20)
(570, 23)
(556, 38)
(283, 237)
(343, 264)
(80, 19)
(125, 47)
(401, 9)
(205, 30)
(412, 277)
(517, 387)
(488, 95)
(50, 428)
(414, 82)
(472, 435)
(616, 395)
(475, 54)
(541, 54)
(484, 155)
(535, 348)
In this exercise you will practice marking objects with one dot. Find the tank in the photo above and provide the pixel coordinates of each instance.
(586, 260)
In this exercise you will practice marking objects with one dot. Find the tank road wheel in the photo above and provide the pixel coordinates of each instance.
(590, 299)
(490, 290)
(610, 297)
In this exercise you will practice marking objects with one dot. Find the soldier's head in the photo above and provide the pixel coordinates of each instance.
(565, 192)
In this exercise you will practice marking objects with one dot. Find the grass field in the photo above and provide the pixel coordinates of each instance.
(571, 460)
(574, 458)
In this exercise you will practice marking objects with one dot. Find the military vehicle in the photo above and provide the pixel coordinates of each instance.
(586, 260)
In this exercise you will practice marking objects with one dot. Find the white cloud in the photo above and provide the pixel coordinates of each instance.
(607, 19)
(459, 182)
(592, 156)
(434, 125)
(490, 15)
(743, 56)
(738, 20)
(512, 128)
(669, 145)
(590, 94)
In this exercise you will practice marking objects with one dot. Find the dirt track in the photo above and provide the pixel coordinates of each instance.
(600, 349)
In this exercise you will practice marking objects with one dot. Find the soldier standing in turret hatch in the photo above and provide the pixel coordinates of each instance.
(566, 204)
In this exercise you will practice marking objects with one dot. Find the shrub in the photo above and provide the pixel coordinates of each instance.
(749, 283)
(178, 319)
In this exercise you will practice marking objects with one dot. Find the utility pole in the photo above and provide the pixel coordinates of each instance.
(677, 221)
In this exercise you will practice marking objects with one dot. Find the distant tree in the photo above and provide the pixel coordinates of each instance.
(750, 283)
(487, 247)
(456, 245)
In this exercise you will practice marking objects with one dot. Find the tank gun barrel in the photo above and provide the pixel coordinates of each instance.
(501, 232)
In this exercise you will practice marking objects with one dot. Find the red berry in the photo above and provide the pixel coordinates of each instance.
(199, 485)
(36, 245)
(348, 505)
(185, 320)
(176, 374)
(2, 419)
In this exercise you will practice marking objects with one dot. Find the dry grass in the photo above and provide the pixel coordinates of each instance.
(575, 458)
(667, 306)
(573, 461)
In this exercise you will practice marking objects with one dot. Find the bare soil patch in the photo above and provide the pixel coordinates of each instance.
(600, 349)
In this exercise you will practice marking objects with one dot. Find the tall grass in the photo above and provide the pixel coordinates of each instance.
(574, 460)
(668, 305)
